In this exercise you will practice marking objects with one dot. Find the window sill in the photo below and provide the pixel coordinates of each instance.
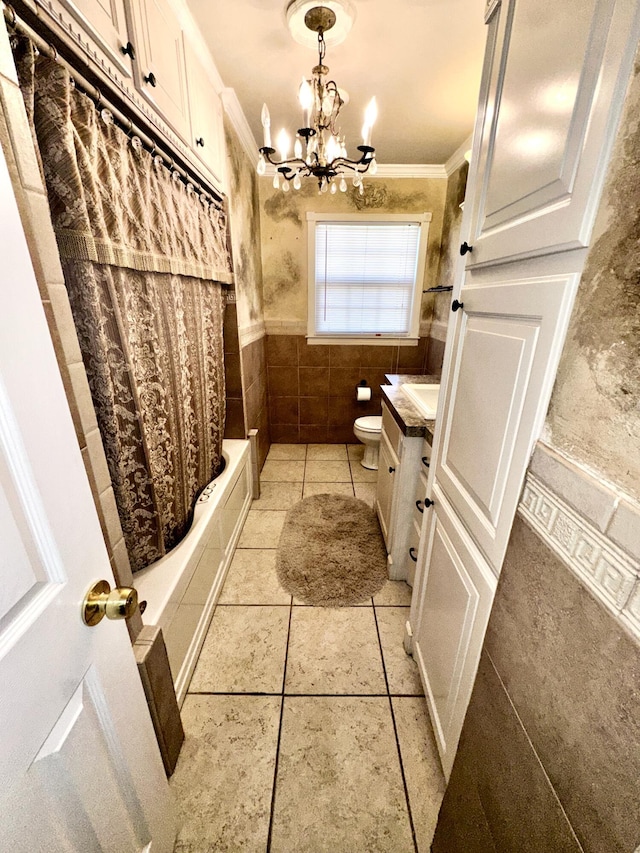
(362, 339)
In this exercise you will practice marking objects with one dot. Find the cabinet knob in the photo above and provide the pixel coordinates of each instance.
(151, 79)
(420, 506)
(428, 502)
(455, 305)
(128, 50)
(391, 470)
(425, 461)
(413, 555)
(200, 142)
(465, 248)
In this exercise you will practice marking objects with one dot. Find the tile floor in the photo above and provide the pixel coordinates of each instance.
(306, 728)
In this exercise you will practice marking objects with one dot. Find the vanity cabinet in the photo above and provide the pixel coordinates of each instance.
(398, 483)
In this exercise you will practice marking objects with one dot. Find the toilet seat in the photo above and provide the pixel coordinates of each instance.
(369, 423)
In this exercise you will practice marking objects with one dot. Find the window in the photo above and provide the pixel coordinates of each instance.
(365, 275)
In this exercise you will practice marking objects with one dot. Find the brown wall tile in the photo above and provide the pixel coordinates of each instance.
(286, 434)
(383, 356)
(234, 422)
(343, 381)
(312, 355)
(283, 381)
(435, 356)
(314, 381)
(282, 350)
(314, 410)
(233, 379)
(572, 674)
(284, 410)
(313, 434)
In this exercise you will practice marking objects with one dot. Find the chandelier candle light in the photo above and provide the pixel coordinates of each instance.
(319, 151)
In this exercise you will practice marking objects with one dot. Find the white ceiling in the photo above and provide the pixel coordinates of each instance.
(420, 58)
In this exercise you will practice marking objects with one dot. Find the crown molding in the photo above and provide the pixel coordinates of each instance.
(236, 116)
(457, 158)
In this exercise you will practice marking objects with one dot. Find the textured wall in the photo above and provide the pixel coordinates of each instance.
(595, 407)
(244, 215)
(449, 256)
(245, 363)
(284, 233)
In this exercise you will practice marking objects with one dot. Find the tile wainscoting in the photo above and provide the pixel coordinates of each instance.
(311, 387)
(553, 728)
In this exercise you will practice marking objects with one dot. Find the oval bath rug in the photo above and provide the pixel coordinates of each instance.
(331, 551)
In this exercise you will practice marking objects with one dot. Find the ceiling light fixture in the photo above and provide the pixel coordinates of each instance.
(319, 150)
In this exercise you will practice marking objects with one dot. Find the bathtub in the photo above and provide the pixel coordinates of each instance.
(182, 588)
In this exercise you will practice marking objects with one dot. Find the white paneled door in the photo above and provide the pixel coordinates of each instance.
(553, 85)
(80, 768)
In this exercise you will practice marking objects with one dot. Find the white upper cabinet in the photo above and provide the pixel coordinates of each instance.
(160, 72)
(554, 84)
(105, 23)
(207, 122)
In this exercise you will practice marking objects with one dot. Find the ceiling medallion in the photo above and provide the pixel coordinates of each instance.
(319, 149)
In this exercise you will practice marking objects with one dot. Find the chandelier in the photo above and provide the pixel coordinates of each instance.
(319, 150)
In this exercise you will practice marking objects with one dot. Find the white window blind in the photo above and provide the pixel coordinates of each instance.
(365, 277)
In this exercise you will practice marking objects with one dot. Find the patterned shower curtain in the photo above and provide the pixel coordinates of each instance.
(144, 260)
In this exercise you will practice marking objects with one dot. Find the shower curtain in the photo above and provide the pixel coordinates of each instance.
(144, 260)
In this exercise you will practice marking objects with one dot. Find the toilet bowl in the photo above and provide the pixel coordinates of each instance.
(368, 431)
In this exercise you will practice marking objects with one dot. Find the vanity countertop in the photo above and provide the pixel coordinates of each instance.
(408, 418)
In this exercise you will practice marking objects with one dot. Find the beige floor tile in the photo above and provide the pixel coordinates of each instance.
(244, 651)
(278, 495)
(334, 651)
(224, 778)
(252, 579)
(393, 593)
(327, 452)
(366, 492)
(339, 787)
(362, 475)
(179, 634)
(355, 451)
(262, 528)
(287, 452)
(422, 770)
(276, 471)
(328, 489)
(402, 670)
(327, 472)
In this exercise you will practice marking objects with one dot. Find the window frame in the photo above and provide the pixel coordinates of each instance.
(413, 336)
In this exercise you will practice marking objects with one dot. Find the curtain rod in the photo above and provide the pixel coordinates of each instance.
(124, 122)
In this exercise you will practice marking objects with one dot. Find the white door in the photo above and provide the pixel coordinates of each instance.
(552, 90)
(80, 768)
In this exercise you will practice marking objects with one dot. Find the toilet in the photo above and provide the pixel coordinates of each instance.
(368, 431)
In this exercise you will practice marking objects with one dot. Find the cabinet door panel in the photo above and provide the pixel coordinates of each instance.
(387, 466)
(557, 83)
(507, 345)
(207, 123)
(105, 24)
(457, 593)
(160, 51)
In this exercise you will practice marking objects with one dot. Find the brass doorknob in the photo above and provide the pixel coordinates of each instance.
(100, 601)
